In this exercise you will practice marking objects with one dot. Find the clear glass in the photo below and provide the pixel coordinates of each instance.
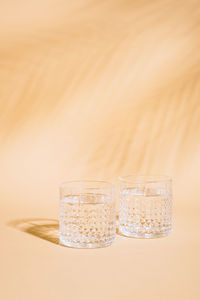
(145, 206)
(87, 214)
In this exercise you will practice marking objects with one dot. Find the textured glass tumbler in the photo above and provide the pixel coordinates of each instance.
(145, 206)
(87, 214)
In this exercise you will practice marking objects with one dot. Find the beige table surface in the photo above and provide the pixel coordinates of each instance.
(96, 89)
(35, 266)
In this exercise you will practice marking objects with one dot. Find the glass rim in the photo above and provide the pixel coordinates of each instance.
(102, 183)
(141, 178)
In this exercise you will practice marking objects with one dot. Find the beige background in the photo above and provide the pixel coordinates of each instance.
(94, 89)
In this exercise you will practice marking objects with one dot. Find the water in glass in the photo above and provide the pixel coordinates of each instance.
(87, 220)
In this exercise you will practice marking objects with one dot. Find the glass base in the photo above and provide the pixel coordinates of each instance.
(86, 245)
(144, 235)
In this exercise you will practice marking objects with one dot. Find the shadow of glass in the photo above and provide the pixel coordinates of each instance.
(46, 229)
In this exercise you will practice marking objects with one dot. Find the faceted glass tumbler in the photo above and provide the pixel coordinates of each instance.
(145, 206)
(87, 214)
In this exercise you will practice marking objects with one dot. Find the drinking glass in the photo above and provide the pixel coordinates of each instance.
(87, 214)
(145, 206)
